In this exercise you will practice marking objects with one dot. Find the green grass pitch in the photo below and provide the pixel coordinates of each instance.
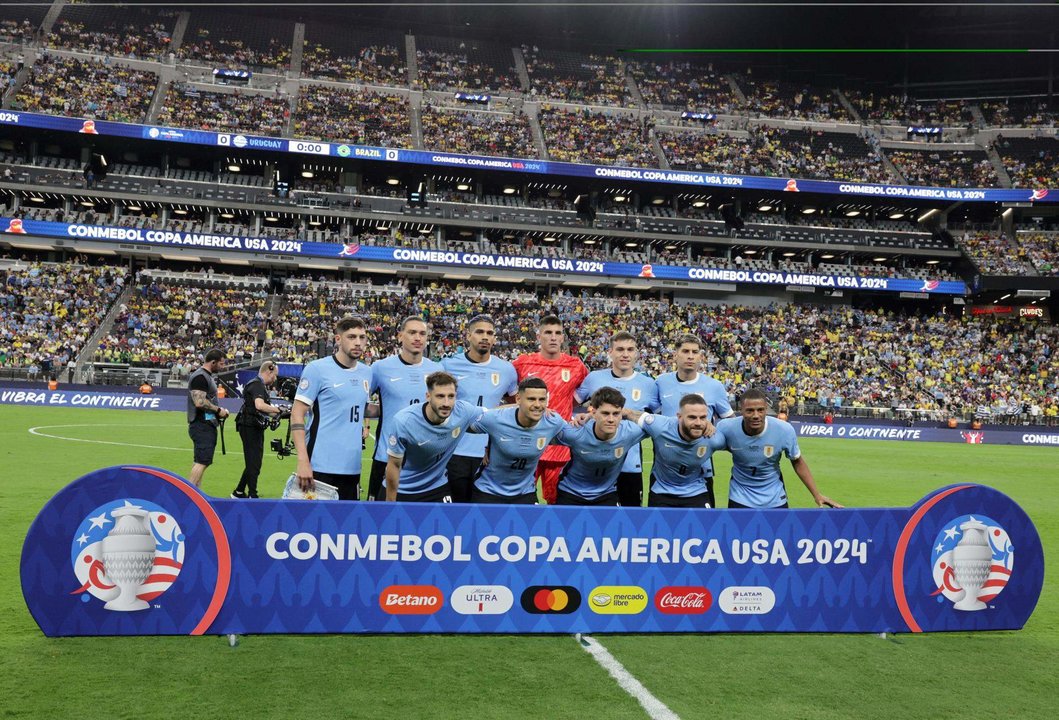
(1007, 674)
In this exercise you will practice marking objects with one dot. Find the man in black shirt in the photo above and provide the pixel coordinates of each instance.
(204, 414)
(251, 422)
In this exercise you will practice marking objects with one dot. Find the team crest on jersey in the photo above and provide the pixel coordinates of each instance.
(541, 442)
(565, 375)
(769, 449)
(618, 452)
(366, 386)
(636, 394)
(495, 377)
(455, 432)
(701, 451)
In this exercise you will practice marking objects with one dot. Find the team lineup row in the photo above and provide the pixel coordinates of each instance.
(476, 428)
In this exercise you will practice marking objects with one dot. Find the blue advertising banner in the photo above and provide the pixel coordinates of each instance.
(442, 159)
(469, 259)
(139, 551)
(989, 436)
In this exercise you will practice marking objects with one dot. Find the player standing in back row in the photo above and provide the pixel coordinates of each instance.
(563, 374)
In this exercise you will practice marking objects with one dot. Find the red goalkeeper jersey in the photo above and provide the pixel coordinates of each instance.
(563, 376)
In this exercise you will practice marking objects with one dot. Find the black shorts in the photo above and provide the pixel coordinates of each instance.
(348, 485)
(477, 496)
(733, 505)
(377, 480)
(568, 498)
(630, 489)
(462, 471)
(702, 500)
(441, 494)
(204, 439)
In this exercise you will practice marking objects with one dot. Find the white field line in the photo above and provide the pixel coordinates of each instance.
(655, 708)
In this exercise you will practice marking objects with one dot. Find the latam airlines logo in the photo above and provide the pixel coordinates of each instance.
(746, 600)
(127, 553)
(973, 559)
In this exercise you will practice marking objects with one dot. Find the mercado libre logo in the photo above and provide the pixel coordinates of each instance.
(126, 553)
(972, 562)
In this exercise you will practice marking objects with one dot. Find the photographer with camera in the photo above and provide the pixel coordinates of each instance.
(253, 418)
(204, 414)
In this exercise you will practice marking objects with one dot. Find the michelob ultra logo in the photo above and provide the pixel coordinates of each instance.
(482, 599)
(411, 600)
(617, 600)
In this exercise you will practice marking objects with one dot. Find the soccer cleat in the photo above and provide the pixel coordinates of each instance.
(239, 495)
(253, 495)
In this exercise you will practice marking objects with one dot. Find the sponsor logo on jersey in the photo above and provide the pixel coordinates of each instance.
(683, 600)
(618, 600)
(551, 599)
(481, 599)
(746, 600)
(411, 600)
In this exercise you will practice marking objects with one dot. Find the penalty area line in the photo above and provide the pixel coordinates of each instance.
(655, 708)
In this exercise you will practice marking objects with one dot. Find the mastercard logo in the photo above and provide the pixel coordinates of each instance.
(551, 599)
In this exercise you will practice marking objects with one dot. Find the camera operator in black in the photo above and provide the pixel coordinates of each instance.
(251, 422)
(204, 414)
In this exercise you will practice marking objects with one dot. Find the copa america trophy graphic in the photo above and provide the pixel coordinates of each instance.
(128, 555)
(971, 559)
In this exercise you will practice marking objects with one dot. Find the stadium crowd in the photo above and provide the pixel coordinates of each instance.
(440, 70)
(684, 86)
(719, 152)
(234, 53)
(954, 168)
(366, 117)
(372, 64)
(87, 88)
(192, 107)
(770, 98)
(591, 137)
(1042, 250)
(993, 254)
(114, 39)
(479, 133)
(48, 311)
(590, 79)
(167, 325)
(811, 158)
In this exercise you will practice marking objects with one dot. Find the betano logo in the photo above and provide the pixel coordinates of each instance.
(411, 600)
(551, 599)
(618, 600)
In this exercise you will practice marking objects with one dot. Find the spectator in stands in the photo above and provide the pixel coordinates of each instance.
(590, 137)
(364, 117)
(477, 133)
(83, 88)
(239, 111)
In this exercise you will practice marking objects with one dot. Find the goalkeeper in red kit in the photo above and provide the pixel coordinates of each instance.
(563, 374)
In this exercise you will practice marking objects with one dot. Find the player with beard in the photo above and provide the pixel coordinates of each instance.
(483, 380)
(421, 442)
(562, 374)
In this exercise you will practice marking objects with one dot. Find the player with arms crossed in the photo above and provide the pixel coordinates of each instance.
(399, 381)
(640, 393)
(757, 442)
(682, 446)
(327, 420)
(598, 449)
(422, 439)
(517, 437)
(563, 374)
(483, 380)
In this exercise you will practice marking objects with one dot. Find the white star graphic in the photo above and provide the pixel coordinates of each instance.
(99, 521)
(951, 533)
(940, 548)
(83, 539)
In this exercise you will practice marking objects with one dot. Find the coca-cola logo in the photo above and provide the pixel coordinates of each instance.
(683, 600)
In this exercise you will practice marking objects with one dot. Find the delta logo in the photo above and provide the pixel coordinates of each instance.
(551, 599)
(683, 600)
(411, 600)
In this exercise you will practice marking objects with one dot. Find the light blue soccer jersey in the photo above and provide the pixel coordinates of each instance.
(425, 447)
(337, 397)
(678, 463)
(398, 385)
(513, 450)
(640, 392)
(483, 384)
(595, 464)
(671, 390)
(756, 478)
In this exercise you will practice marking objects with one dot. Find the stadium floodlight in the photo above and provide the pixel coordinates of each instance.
(134, 208)
(827, 256)
(699, 203)
(36, 199)
(314, 222)
(671, 247)
(392, 181)
(933, 262)
(852, 213)
(631, 244)
(750, 252)
(463, 186)
(879, 259)
(808, 210)
(764, 208)
(509, 190)
(180, 211)
(271, 218)
(88, 203)
(234, 168)
(227, 215)
(789, 254)
(549, 239)
(307, 173)
(620, 198)
(896, 215)
(926, 215)
(590, 241)
(1006, 296)
(658, 200)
